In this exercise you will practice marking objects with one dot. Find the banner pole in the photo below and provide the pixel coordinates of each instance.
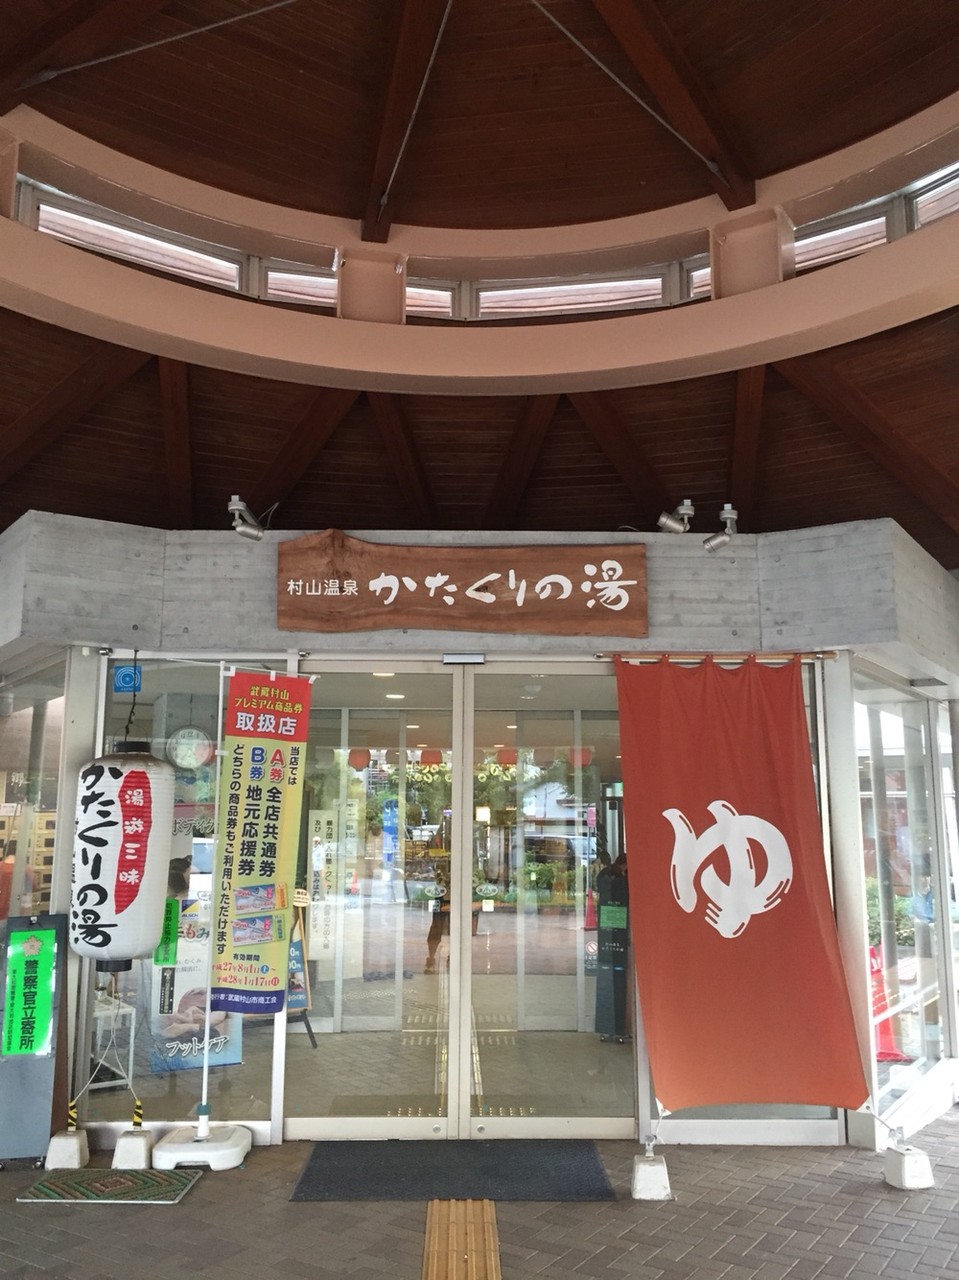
(227, 1147)
(203, 1109)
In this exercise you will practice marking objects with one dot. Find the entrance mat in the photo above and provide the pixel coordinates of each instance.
(113, 1186)
(539, 1169)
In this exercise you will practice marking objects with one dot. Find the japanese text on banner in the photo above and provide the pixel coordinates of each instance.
(260, 782)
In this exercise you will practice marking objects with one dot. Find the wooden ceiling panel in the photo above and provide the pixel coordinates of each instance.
(461, 442)
(586, 149)
(34, 357)
(913, 374)
(866, 64)
(350, 485)
(105, 465)
(685, 431)
(238, 424)
(517, 126)
(273, 108)
(811, 473)
(574, 485)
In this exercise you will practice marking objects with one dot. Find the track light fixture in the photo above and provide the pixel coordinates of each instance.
(244, 521)
(729, 515)
(678, 522)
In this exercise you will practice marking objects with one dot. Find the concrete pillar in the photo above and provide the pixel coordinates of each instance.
(372, 286)
(751, 251)
(9, 164)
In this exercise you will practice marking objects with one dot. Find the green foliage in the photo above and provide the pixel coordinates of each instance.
(538, 875)
(905, 928)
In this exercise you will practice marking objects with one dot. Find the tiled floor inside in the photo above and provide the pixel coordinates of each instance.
(737, 1213)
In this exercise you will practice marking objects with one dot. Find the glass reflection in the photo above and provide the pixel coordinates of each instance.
(903, 912)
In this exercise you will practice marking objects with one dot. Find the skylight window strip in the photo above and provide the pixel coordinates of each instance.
(427, 300)
(567, 297)
(117, 241)
(838, 243)
(937, 202)
(305, 288)
(700, 282)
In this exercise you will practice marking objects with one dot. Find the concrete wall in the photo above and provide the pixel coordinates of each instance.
(865, 586)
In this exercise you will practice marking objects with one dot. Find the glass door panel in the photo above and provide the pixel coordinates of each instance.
(375, 864)
(455, 822)
(550, 1025)
(904, 891)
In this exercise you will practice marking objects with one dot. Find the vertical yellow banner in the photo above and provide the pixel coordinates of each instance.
(264, 744)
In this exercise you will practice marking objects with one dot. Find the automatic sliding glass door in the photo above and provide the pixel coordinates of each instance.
(455, 821)
(551, 1032)
(370, 1053)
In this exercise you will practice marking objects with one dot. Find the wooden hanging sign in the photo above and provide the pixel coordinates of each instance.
(331, 582)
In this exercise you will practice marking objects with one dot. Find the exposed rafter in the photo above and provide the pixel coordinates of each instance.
(65, 405)
(407, 468)
(631, 464)
(307, 438)
(175, 410)
(419, 29)
(518, 462)
(75, 32)
(868, 426)
(744, 460)
(648, 44)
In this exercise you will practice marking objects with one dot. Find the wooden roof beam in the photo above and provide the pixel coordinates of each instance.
(40, 426)
(77, 31)
(174, 379)
(867, 425)
(647, 42)
(407, 467)
(744, 462)
(626, 456)
(420, 25)
(518, 462)
(293, 459)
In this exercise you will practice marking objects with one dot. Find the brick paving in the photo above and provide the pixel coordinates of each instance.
(737, 1213)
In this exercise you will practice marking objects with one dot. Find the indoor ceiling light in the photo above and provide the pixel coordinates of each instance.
(729, 515)
(244, 521)
(678, 522)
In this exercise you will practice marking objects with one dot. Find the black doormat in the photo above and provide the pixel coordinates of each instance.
(540, 1169)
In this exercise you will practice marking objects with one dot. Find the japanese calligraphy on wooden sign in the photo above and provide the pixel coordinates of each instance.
(331, 582)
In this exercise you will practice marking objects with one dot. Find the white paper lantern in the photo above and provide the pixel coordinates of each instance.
(121, 856)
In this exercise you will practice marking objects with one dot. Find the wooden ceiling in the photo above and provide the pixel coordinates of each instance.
(317, 104)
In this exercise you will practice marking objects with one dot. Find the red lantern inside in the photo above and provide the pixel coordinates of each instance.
(581, 757)
(431, 755)
(507, 756)
(359, 758)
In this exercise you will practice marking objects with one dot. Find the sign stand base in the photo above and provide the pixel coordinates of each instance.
(650, 1179)
(133, 1150)
(222, 1148)
(68, 1149)
(907, 1168)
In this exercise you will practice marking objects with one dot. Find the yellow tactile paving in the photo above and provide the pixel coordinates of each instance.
(461, 1241)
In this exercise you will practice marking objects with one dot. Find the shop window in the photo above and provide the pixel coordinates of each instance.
(31, 725)
(148, 1023)
(905, 896)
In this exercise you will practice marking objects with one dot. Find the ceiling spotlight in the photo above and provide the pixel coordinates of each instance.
(678, 522)
(729, 515)
(244, 521)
